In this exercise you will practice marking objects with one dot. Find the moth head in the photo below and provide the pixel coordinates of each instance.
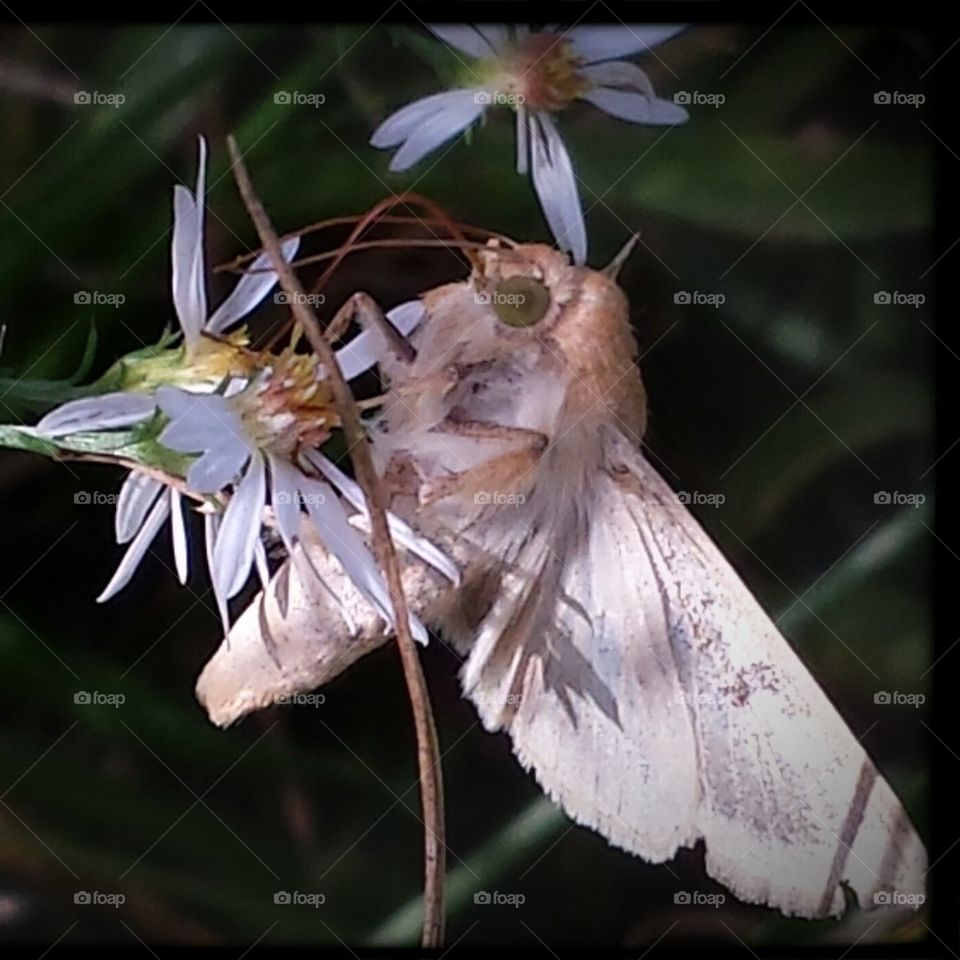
(576, 318)
(526, 288)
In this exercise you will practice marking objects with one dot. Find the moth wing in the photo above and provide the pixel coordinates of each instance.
(713, 728)
(305, 628)
(793, 807)
(602, 725)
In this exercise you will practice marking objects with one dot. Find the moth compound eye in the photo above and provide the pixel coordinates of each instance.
(520, 301)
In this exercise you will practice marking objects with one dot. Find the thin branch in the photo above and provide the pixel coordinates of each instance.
(154, 473)
(428, 751)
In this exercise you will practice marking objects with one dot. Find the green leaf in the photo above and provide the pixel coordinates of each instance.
(23, 438)
(89, 352)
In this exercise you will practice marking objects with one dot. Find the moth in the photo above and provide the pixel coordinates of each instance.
(636, 675)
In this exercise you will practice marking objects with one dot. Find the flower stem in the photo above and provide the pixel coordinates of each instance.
(428, 751)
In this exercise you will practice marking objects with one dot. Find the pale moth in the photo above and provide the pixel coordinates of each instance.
(633, 670)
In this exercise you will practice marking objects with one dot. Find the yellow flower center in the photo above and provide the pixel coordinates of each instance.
(542, 72)
(288, 406)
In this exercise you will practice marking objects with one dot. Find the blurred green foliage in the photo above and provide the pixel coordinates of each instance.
(199, 828)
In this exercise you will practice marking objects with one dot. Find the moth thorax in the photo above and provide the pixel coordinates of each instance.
(600, 351)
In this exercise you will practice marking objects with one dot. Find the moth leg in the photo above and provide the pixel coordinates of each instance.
(366, 311)
(502, 475)
(440, 382)
(485, 430)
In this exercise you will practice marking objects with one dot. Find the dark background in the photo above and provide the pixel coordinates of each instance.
(798, 399)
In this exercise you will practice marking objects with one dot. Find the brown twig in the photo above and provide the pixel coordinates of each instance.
(428, 752)
(154, 473)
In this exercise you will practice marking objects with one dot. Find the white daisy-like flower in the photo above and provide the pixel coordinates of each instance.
(259, 443)
(145, 504)
(536, 74)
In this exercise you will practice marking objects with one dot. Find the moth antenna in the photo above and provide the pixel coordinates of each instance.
(612, 269)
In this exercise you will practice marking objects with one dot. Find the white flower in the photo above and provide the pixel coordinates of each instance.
(536, 74)
(250, 442)
(145, 504)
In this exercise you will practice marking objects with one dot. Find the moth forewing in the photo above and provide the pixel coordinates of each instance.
(305, 628)
(792, 805)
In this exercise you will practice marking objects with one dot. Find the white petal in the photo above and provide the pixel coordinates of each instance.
(137, 549)
(635, 107)
(235, 385)
(211, 525)
(106, 412)
(402, 532)
(285, 500)
(188, 276)
(343, 541)
(365, 349)
(595, 43)
(137, 495)
(217, 468)
(401, 123)
(465, 38)
(496, 34)
(619, 73)
(198, 421)
(240, 530)
(251, 288)
(556, 186)
(523, 140)
(175, 402)
(459, 109)
(260, 558)
(178, 530)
